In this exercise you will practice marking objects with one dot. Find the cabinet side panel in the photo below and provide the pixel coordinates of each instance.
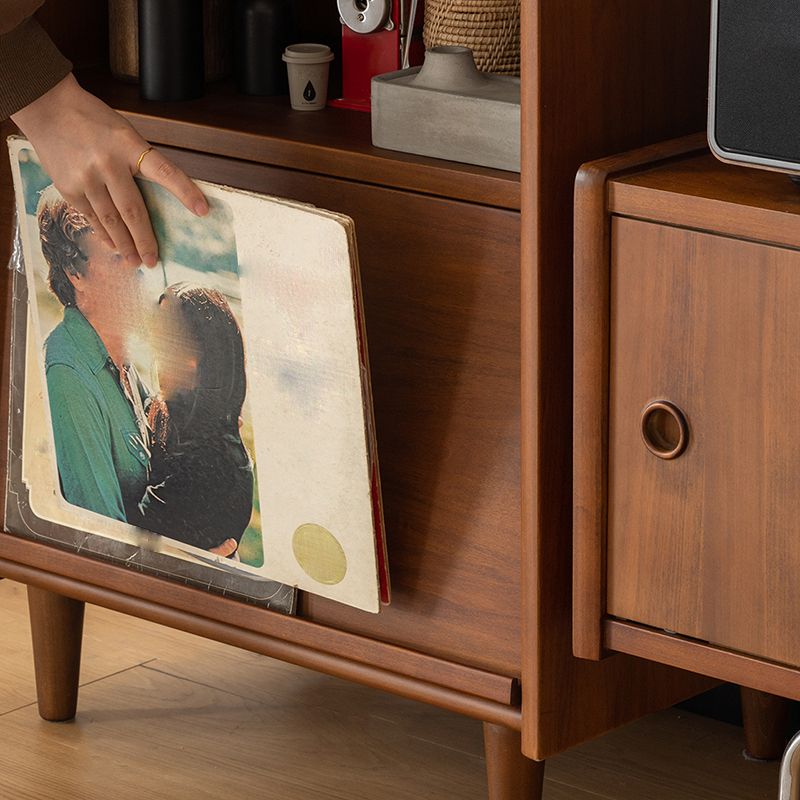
(7, 209)
(599, 77)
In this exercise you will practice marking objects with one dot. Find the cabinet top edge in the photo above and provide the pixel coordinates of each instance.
(701, 175)
(698, 191)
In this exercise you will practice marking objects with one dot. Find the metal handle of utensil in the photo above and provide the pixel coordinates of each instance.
(790, 771)
(412, 19)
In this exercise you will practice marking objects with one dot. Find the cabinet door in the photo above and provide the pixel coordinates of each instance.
(707, 543)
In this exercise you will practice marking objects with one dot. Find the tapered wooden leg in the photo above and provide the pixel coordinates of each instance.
(57, 629)
(510, 775)
(766, 724)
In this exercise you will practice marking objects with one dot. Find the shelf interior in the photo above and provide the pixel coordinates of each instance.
(333, 142)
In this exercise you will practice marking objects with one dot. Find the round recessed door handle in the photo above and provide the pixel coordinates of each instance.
(664, 429)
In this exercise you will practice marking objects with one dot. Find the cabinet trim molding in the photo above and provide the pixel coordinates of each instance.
(290, 639)
(685, 653)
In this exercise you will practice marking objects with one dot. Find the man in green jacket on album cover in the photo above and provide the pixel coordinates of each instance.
(97, 403)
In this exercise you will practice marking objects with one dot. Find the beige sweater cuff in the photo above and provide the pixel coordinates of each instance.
(30, 65)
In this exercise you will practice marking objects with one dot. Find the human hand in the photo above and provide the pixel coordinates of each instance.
(90, 152)
(226, 549)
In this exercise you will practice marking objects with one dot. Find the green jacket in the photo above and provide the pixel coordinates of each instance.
(101, 443)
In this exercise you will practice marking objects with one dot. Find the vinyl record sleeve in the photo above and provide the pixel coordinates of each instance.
(241, 360)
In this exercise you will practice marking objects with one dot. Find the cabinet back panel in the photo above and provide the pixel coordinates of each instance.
(441, 299)
(706, 544)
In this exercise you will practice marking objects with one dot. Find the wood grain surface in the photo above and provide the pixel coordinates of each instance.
(592, 252)
(270, 634)
(703, 193)
(57, 633)
(599, 77)
(445, 378)
(706, 545)
(440, 300)
(508, 773)
(684, 653)
(766, 724)
(702, 262)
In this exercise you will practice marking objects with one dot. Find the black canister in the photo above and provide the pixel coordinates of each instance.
(262, 29)
(171, 49)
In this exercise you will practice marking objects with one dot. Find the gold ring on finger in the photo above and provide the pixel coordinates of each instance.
(141, 158)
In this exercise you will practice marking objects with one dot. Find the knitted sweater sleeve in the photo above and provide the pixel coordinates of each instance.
(30, 65)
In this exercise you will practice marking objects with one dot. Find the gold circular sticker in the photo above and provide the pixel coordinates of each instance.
(319, 553)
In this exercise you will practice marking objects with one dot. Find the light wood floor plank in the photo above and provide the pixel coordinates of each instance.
(667, 756)
(268, 681)
(143, 733)
(112, 642)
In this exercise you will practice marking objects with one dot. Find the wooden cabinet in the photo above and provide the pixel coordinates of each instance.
(467, 294)
(688, 534)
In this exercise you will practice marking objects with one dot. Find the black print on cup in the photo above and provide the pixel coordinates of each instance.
(309, 93)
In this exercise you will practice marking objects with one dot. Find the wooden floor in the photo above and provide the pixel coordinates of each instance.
(169, 716)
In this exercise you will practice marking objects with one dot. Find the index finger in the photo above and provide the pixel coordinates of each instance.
(128, 200)
(157, 167)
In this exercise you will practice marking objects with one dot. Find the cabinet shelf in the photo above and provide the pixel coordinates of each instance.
(335, 142)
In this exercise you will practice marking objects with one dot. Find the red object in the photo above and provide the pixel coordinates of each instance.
(365, 55)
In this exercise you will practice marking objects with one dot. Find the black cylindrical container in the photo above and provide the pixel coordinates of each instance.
(262, 29)
(171, 49)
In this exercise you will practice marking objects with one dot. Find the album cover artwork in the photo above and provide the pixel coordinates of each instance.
(214, 410)
(31, 453)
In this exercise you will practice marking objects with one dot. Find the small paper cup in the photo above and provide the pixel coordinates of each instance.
(308, 66)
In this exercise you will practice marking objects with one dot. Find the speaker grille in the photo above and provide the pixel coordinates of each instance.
(757, 109)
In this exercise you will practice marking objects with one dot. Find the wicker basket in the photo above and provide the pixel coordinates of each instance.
(490, 28)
